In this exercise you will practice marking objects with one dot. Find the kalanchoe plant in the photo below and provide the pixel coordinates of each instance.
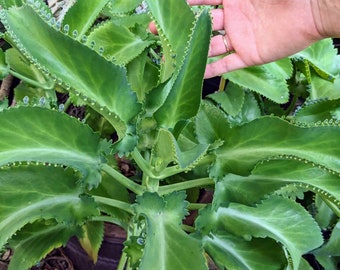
(267, 145)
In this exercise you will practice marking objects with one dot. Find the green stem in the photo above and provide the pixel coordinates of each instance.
(170, 171)
(30, 81)
(185, 185)
(112, 220)
(196, 206)
(144, 166)
(122, 261)
(292, 105)
(114, 203)
(67, 104)
(188, 228)
(126, 182)
(141, 162)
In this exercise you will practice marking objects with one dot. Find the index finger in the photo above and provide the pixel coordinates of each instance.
(205, 2)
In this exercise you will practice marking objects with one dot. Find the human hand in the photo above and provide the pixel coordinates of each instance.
(258, 31)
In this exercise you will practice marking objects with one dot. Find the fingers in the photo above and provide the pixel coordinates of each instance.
(219, 45)
(217, 19)
(226, 64)
(152, 28)
(205, 2)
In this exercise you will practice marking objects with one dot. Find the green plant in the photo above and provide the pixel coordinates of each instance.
(274, 168)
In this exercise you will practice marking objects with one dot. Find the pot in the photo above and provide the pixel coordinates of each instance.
(109, 253)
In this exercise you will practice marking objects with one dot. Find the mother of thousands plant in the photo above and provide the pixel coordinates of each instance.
(267, 145)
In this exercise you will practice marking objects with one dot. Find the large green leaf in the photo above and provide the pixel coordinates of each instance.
(102, 84)
(232, 252)
(34, 192)
(184, 97)
(269, 136)
(278, 218)
(167, 246)
(35, 134)
(36, 240)
(268, 80)
(272, 175)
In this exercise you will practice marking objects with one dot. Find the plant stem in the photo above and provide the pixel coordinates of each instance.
(122, 261)
(188, 228)
(114, 203)
(196, 206)
(142, 163)
(112, 220)
(30, 81)
(126, 182)
(222, 84)
(185, 185)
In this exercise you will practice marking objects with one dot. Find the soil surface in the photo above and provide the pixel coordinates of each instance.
(56, 260)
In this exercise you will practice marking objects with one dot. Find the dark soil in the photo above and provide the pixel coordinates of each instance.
(56, 260)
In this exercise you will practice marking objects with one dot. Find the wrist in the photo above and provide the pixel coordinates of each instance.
(326, 15)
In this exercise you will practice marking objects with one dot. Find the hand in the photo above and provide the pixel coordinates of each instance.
(259, 31)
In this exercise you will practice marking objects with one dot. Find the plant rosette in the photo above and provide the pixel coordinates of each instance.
(266, 143)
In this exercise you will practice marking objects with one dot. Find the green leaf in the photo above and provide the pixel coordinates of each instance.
(331, 247)
(82, 14)
(269, 137)
(117, 42)
(9, 3)
(231, 101)
(102, 84)
(123, 6)
(173, 42)
(320, 110)
(175, 249)
(142, 75)
(271, 175)
(323, 57)
(268, 80)
(28, 72)
(322, 89)
(185, 158)
(35, 134)
(249, 111)
(36, 240)
(45, 193)
(280, 219)
(210, 123)
(232, 252)
(134, 248)
(184, 97)
(92, 238)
